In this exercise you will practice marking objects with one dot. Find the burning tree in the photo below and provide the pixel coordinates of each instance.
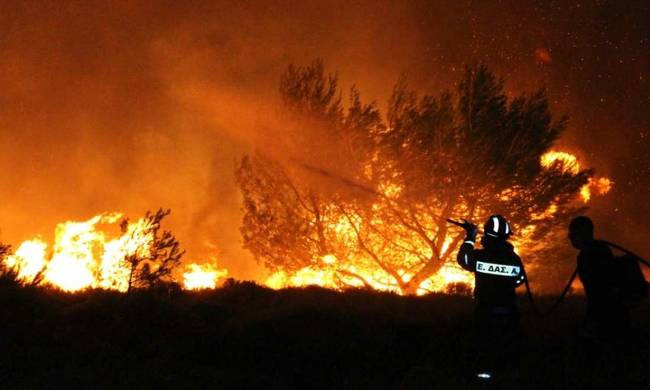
(355, 200)
(151, 264)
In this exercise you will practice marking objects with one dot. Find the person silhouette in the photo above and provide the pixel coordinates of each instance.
(498, 271)
(607, 316)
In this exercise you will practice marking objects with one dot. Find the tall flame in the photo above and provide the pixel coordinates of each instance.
(86, 255)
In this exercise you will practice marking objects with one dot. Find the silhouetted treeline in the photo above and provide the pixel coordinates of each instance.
(247, 336)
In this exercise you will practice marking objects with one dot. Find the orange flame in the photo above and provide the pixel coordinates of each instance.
(203, 276)
(85, 255)
(331, 273)
(28, 260)
(599, 186)
(82, 257)
(568, 163)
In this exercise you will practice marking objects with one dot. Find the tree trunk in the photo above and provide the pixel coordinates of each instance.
(431, 268)
(128, 289)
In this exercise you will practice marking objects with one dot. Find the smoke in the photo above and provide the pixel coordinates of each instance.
(119, 106)
(129, 107)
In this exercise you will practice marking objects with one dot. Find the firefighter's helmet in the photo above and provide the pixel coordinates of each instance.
(497, 226)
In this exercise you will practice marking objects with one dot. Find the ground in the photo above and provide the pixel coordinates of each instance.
(246, 336)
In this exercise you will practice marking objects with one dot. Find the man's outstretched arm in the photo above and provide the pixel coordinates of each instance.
(465, 257)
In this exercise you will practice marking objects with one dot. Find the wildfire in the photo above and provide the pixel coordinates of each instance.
(330, 273)
(203, 276)
(449, 274)
(92, 253)
(29, 259)
(303, 277)
(599, 186)
(568, 163)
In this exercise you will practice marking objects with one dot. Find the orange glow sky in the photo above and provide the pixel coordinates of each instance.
(129, 106)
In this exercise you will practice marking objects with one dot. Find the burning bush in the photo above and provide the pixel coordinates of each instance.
(107, 251)
(7, 274)
(202, 276)
(88, 255)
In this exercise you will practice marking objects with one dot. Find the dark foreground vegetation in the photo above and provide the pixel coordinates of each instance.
(246, 336)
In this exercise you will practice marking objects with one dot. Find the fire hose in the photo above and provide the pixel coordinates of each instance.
(557, 302)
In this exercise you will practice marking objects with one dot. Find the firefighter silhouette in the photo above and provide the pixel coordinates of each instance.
(498, 271)
(607, 317)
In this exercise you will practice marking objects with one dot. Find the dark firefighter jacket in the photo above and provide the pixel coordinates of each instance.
(497, 272)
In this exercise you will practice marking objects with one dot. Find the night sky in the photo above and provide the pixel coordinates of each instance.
(118, 106)
(594, 59)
